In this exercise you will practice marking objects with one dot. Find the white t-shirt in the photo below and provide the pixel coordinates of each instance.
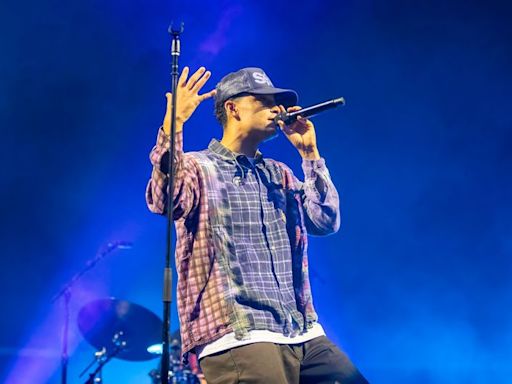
(257, 336)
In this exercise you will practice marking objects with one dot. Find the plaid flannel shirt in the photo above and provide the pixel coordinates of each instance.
(241, 251)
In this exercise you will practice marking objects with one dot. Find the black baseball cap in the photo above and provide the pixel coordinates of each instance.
(253, 81)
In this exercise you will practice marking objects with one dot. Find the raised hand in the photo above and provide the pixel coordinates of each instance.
(187, 97)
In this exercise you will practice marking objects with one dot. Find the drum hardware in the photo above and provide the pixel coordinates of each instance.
(117, 328)
(128, 331)
(101, 358)
(105, 323)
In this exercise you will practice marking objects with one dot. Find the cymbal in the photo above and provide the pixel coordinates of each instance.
(101, 320)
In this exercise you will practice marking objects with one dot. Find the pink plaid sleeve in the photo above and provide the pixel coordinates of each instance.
(186, 190)
(319, 197)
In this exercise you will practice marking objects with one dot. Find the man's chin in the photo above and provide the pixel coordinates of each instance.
(272, 134)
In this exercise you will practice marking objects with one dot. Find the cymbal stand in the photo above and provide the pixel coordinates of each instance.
(102, 358)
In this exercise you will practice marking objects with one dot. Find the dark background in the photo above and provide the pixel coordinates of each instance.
(416, 286)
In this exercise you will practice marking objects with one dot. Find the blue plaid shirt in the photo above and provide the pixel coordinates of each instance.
(257, 240)
(258, 217)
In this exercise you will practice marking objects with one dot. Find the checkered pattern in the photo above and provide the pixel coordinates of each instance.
(241, 251)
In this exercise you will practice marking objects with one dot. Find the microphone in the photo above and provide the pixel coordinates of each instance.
(311, 111)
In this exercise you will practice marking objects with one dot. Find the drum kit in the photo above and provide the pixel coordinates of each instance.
(128, 331)
(121, 329)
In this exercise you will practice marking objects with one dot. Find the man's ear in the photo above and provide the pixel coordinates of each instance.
(232, 109)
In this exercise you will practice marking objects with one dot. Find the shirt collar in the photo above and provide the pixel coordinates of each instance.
(216, 147)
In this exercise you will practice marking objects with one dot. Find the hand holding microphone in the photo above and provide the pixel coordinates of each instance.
(299, 130)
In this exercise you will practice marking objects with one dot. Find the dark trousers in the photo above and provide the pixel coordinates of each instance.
(316, 361)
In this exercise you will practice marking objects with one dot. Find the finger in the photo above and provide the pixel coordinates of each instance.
(197, 74)
(200, 83)
(282, 109)
(207, 95)
(285, 128)
(182, 81)
(302, 120)
(294, 108)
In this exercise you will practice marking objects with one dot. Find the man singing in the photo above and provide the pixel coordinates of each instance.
(242, 220)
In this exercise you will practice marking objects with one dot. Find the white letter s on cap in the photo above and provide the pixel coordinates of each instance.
(260, 78)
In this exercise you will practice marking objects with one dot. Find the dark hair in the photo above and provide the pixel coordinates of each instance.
(220, 113)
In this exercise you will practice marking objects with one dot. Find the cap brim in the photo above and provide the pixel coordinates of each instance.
(286, 97)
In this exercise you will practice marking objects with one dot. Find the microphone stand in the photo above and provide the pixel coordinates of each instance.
(66, 293)
(167, 286)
